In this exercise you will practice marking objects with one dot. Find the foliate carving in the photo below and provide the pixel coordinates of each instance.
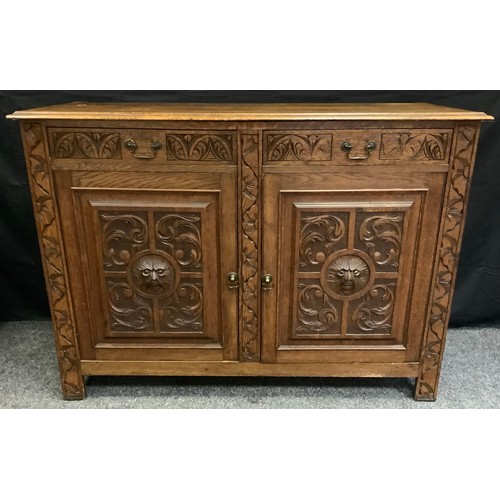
(128, 310)
(327, 230)
(446, 270)
(123, 236)
(90, 145)
(183, 310)
(414, 146)
(201, 147)
(316, 311)
(298, 147)
(46, 220)
(249, 342)
(153, 275)
(342, 255)
(382, 236)
(375, 311)
(181, 235)
(146, 268)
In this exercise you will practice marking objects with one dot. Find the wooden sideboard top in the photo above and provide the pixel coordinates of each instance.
(246, 112)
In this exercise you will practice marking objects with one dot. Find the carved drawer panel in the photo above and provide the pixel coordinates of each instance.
(144, 146)
(358, 147)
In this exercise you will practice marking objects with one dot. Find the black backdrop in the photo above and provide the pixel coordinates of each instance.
(477, 296)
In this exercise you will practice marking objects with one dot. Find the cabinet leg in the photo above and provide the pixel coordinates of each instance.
(74, 393)
(426, 386)
(72, 380)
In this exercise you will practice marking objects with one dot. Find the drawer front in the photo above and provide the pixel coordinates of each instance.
(143, 146)
(358, 146)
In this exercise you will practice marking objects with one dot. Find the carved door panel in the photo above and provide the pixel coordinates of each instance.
(155, 251)
(351, 265)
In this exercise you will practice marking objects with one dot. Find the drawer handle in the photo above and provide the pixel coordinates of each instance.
(131, 145)
(233, 280)
(369, 148)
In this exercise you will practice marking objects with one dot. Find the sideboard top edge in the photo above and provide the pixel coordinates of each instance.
(247, 112)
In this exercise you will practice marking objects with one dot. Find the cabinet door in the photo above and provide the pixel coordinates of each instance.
(150, 254)
(351, 255)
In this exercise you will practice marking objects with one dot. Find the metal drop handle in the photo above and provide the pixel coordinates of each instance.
(131, 145)
(369, 148)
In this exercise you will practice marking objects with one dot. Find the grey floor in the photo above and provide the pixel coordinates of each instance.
(29, 379)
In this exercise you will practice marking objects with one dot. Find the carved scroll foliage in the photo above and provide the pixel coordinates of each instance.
(382, 235)
(249, 344)
(327, 229)
(316, 310)
(146, 276)
(65, 334)
(184, 309)
(200, 147)
(181, 234)
(295, 147)
(411, 146)
(123, 236)
(375, 311)
(452, 230)
(127, 309)
(91, 145)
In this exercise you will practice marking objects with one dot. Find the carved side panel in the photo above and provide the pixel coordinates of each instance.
(54, 264)
(298, 147)
(447, 265)
(249, 307)
(201, 146)
(416, 146)
(87, 145)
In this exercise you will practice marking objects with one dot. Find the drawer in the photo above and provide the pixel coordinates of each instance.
(143, 146)
(358, 146)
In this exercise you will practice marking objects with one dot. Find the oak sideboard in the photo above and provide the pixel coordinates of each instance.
(250, 240)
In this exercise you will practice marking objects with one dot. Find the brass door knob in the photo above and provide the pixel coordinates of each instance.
(267, 281)
(233, 280)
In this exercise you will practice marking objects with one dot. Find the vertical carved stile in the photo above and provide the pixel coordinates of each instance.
(53, 260)
(430, 361)
(249, 245)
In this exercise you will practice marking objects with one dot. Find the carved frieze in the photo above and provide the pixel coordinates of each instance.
(415, 146)
(298, 147)
(88, 145)
(201, 146)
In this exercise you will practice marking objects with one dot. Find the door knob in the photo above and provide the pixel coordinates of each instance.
(267, 281)
(233, 280)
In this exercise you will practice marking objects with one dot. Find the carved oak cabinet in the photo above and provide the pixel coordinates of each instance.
(278, 240)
